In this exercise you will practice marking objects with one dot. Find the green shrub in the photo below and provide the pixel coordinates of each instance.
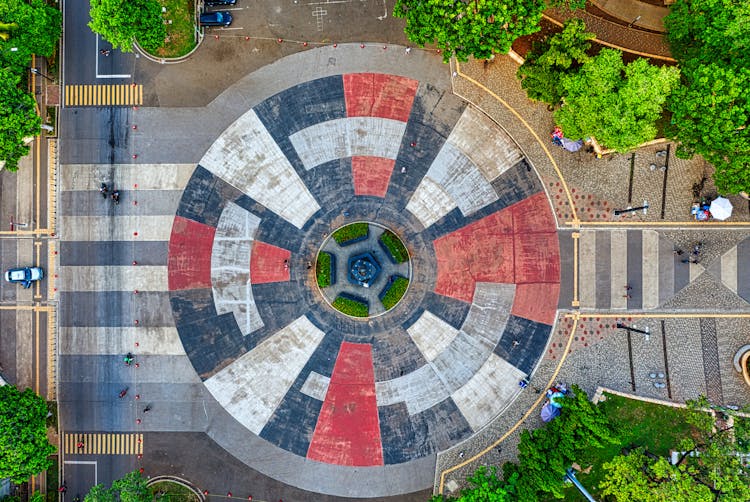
(351, 307)
(395, 291)
(394, 246)
(323, 269)
(351, 232)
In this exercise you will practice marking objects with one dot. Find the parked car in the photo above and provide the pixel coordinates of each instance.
(25, 275)
(214, 3)
(218, 18)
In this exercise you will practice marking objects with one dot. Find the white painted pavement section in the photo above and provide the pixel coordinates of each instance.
(650, 268)
(461, 179)
(431, 335)
(112, 278)
(118, 228)
(248, 158)
(110, 340)
(252, 387)
(489, 311)
(348, 137)
(316, 386)
(696, 269)
(587, 268)
(729, 269)
(230, 267)
(488, 392)
(429, 202)
(126, 176)
(619, 269)
(482, 141)
(420, 390)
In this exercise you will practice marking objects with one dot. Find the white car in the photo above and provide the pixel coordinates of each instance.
(25, 275)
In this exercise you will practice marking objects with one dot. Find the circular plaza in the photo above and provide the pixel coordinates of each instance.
(437, 330)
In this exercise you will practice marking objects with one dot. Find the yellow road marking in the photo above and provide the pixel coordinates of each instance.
(103, 95)
(103, 444)
(660, 315)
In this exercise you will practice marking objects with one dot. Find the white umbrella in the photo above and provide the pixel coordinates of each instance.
(720, 208)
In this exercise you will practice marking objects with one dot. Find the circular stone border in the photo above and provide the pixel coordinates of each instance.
(338, 278)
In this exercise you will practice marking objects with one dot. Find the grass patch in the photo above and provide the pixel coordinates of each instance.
(323, 269)
(352, 232)
(658, 428)
(395, 291)
(351, 307)
(181, 34)
(168, 491)
(394, 246)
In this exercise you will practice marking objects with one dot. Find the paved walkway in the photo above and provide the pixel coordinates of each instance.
(640, 14)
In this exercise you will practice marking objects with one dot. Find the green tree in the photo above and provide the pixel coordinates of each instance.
(545, 454)
(711, 40)
(548, 61)
(32, 28)
(99, 493)
(478, 28)
(18, 119)
(636, 476)
(24, 448)
(130, 488)
(484, 486)
(618, 104)
(121, 22)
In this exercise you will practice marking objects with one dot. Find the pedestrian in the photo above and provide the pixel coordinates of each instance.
(104, 52)
(309, 265)
(123, 392)
(79, 445)
(147, 409)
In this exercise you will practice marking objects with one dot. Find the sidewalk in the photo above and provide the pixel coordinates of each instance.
(648, 16)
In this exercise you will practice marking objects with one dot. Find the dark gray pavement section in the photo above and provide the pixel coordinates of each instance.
(565, 239)
(113, 253)
(603, 265)
(132, 202)
(215, 470)
(635, 267)
(114, 309)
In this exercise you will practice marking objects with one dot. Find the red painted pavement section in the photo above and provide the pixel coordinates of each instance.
(479, 252)
(371, 175)
(515, 245)
(190, 254)
(536, 302)
(379, 95)
(267, 263)
(348, 428)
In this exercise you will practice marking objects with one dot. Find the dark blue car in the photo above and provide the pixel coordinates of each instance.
(218, 18)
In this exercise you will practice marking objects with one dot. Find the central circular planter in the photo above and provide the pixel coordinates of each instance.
(363, 270)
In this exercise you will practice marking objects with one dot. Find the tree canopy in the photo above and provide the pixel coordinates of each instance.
(24, 448)
(478, 28)
(548, 61)
(131, 488)
(122, 22)
(619, 104)
(30, 28)
(711, 108)
(18, 119)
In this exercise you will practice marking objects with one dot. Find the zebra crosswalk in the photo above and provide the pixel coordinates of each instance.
(626, 269)
(103, 444)
(103, 95)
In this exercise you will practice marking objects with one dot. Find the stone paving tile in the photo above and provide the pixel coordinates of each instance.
(732, 334)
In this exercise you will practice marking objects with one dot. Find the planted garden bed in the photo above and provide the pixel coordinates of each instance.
(349, 234)
(325, 269)
(393, 247)
(393, 291)
(351, 305)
